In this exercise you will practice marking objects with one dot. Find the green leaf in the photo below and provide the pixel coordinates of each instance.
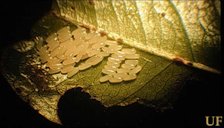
(160, 30)
(186, 29)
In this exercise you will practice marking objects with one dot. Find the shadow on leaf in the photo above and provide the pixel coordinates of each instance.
(75, 108)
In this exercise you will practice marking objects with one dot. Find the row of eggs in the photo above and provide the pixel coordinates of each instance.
(69, 52)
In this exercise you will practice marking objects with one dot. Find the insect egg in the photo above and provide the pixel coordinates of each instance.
(128, 50)
(54, 71)
(43, 60)
(69, 60)
(115, 48)
(106, 49)
(53, 45)
(84, 56)
(53, 60)
(78, 33)
(77, 42)
(58, 51)
(136, 70)
(67, 69)
(53, 37)
(120, 53)
(92, 52)
(64, 30)
(43, 50)
(94, 39)
(84, 66)
(117, 76)
(109, 72)
(61, 57)
(122, 70)
(105, 78)
(64, 38)
(110, 42)
(68, 44)
(132, 56)
(130, 77)
(85, 48)
(127, 66)
(64, 34)
(103, 54)
(97, 60)
(116, 56)
(102, 39)
(111, 59)
(91, 59)
(115, 80)
(71, 52)
(108, 67)
(98, 45)
(89, 36)
(44, 55)
(120, 75)
(116, 64)
(55, 66)
(131, 62)
(73, 72)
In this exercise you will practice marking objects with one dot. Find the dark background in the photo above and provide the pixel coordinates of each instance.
(197, 99)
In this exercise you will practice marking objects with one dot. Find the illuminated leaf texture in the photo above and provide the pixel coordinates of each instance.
(162, 31)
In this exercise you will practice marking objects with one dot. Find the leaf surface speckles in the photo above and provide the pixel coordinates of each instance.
(160, 30)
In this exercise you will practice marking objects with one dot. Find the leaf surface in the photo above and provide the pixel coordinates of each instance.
(187, 29)
(159, 29)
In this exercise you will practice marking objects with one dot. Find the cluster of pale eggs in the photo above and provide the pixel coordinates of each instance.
(69, 52)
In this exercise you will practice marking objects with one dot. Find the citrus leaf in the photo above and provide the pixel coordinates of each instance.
(186, 29)
(157, 84)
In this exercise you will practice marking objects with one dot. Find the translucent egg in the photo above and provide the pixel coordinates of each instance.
(110, 42)
(111, 59)
(127, 66)
(132, 56)
(136, 70)
(109, 67)
(67, 69)
(78, 33)
(64, 31)
(84, 66)
(131, 62)
(55, 66)
(73, 72)
(53, 45)
(103, 54)
(53, 61)
(122, 70)
(89, 36)
(69, 60)
(130, 77)
(115, 80)
(97, 60)
(116, 64)
(98, 45)
(129, 51)
(115, 48)
(97, 39)
(108, 72)
(105, 78)
(54, 71)
(116, 56)
(53, 37)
